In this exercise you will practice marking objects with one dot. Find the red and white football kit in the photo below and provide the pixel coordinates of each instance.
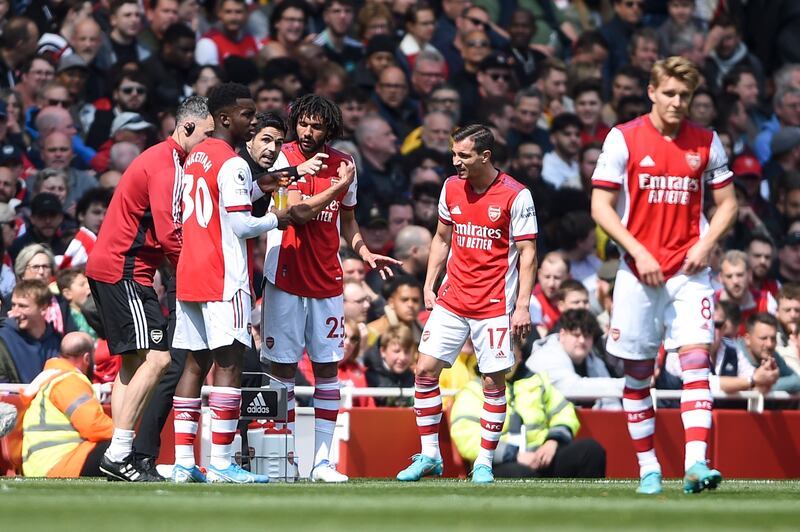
(479, 292)
(661, 183)
(303, 305)
(213, 276)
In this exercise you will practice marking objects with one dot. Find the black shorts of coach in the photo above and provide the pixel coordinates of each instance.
(131, 316)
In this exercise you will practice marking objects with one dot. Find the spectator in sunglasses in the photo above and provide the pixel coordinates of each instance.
(618, 31)
(129, 96)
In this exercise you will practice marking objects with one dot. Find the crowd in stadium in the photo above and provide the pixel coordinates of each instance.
(86, 87)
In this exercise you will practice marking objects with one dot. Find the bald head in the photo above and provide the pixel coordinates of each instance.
(76, 344)
(54, 118)
(86, 39)
(410, 237)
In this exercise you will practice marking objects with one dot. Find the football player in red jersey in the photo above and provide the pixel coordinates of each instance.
(648, 197)
(486, 236)
(302, 306)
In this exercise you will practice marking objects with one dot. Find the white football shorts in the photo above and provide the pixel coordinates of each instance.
(212, 324)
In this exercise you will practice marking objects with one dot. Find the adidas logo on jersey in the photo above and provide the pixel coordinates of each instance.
(258, 405)
(456, 210)
(647, 162)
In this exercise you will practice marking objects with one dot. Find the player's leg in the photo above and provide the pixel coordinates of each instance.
(186, 405)
(442, 339)
(283, 323)
(324, 339)
(690, 329)
(226, 324)
(492, 340)
(190, 334)
(634, 336)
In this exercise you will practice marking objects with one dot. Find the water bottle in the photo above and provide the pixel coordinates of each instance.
(280, 198)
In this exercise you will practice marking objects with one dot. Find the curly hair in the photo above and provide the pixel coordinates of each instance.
(314, 106)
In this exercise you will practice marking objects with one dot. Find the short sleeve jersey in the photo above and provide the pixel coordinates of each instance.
(213, 265)
(661, 183)
(304, 260)
(482, 274)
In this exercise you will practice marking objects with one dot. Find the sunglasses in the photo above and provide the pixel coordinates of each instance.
(477, 22)
(500, 77)
(719, 324)
(130, 90)
(478, 44)
(631, 5)
(58, 103)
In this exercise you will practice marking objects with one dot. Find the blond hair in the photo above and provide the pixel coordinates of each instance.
(676, 67)
(399, 333)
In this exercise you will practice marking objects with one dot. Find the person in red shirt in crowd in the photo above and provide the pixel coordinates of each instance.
(760, 256)
(144, 217)
(553, 270)
(737, 288)
(588, 98)
(351, 371)
(230, 38)
(486, 238)
(303, 306)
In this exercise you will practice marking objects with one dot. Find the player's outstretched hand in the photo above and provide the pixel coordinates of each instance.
(649, 270)
(270, 181)
(696, 258)
(314, 165)
(347, 172)
(382, 263)
(521, 323)
(284, 217)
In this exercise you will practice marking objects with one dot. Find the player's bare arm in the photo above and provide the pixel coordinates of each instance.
(318, 202)
(724, 217)
(440, 249)
(605, 214)
(521, 317)
(352, 234)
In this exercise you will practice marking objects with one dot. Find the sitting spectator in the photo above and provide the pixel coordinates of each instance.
(65, 430)
(578, 240)
(390, 364)
(57, 152)
(568, 360)
(789, 318)
(760, 257)
(46, 217)
(735, 277)
(588, 96)
(356, 302)
(53, 181)
(229, 38)
(27, 341)
(74, 287)
(571, 294)
(90, 212)
(544, 305)
(548, 449)
(731, 370)
(560, 166)
(8, 229)
(411, 247)
(36, 261)
(761, 340)
(351, 371)
(403, 302)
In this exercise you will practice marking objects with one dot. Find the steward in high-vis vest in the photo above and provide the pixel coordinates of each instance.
(64, 429)
(537, 436)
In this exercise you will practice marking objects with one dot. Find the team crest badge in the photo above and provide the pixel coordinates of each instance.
(270, 342)
(615, 334)
(693, 160)
(494, 213)
(156, 335)
(426, 335)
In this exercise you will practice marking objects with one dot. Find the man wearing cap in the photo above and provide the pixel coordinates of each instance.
(379, 55)
(73, 72)
(126, 127)
(494, 79)
(757, 214)
(47, 214)
(785, 157)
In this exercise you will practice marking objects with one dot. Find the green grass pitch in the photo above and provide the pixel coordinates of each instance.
(85, 505)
